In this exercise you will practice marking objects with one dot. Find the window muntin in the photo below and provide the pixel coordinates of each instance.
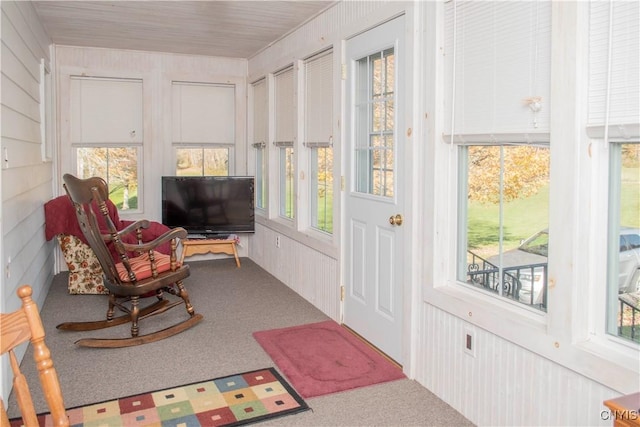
(202, 161)
(374, 142)
(503, 221)
(623, 266)
(119, 166)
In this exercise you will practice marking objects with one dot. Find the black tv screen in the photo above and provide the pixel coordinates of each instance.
(210, 205)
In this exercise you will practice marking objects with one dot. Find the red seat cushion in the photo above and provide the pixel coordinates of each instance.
(141, 266)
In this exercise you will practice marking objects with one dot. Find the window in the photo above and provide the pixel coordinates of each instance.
(116, 165)
(623, 299)
(374, 166)
(284, 139)
(203, 131)
(106, 135)
(319, 138)
(497, 84)
(202, 161)
(504, 216)
(614, 120)
(623, 296)
(286, 182)
(260, 137)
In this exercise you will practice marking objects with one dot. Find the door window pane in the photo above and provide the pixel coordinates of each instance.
(375, 123)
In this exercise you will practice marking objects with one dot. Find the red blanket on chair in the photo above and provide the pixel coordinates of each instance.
(60, 218)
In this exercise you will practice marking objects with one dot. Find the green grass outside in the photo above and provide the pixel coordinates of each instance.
(522, 218)
(630, 200)
(117, 196)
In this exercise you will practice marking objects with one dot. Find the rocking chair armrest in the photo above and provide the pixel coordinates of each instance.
(175, 233)
(131, 228)
(134, 226)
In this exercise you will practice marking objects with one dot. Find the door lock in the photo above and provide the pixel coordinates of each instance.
(395, 220)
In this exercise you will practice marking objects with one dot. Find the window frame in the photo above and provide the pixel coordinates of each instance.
(462, 263)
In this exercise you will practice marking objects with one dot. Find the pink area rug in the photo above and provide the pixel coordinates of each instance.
(322, 358)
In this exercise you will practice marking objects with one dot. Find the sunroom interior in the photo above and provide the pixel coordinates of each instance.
(475, 165)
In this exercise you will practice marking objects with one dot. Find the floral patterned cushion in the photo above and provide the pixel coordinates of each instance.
(85, 272)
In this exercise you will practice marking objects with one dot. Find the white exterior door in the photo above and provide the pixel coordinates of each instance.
(374, 188)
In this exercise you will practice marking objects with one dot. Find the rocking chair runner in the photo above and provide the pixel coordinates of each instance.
(142, 272)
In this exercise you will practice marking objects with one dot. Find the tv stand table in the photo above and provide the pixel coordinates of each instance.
(205, 246)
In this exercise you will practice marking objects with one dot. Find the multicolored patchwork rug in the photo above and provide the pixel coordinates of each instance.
(228, 401)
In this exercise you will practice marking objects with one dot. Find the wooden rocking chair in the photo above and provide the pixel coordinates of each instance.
(141, 271)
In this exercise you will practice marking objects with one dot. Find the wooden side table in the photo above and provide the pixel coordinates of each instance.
(205, 246)
(624, 411)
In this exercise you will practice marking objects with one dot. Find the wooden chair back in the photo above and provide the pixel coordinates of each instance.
(16, 328)
(90, 196)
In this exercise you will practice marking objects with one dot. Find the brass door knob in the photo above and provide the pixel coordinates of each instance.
(395, 220)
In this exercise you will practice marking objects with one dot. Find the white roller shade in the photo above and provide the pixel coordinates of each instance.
(106, 111)
(319, 100)
(614, 69)
(497, 71)
(260, 113)
(203, 113)
(285, 106)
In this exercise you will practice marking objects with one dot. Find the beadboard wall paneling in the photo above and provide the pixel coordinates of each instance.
(310, 273)
(502, 384)
(26, 181)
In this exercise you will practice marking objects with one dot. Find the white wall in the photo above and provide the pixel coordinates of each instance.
(157, 71)
(26, 179)
(528, 369)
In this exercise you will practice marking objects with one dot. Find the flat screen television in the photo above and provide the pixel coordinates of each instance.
(209, 205)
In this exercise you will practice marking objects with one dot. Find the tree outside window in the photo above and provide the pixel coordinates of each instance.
(116, 165)
(504, 220)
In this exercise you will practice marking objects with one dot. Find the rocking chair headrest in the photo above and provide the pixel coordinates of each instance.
(81, 190)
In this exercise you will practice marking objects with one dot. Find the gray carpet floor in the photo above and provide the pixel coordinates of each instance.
(235, 302)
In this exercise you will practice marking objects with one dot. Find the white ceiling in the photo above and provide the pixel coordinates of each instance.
(235, 28)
